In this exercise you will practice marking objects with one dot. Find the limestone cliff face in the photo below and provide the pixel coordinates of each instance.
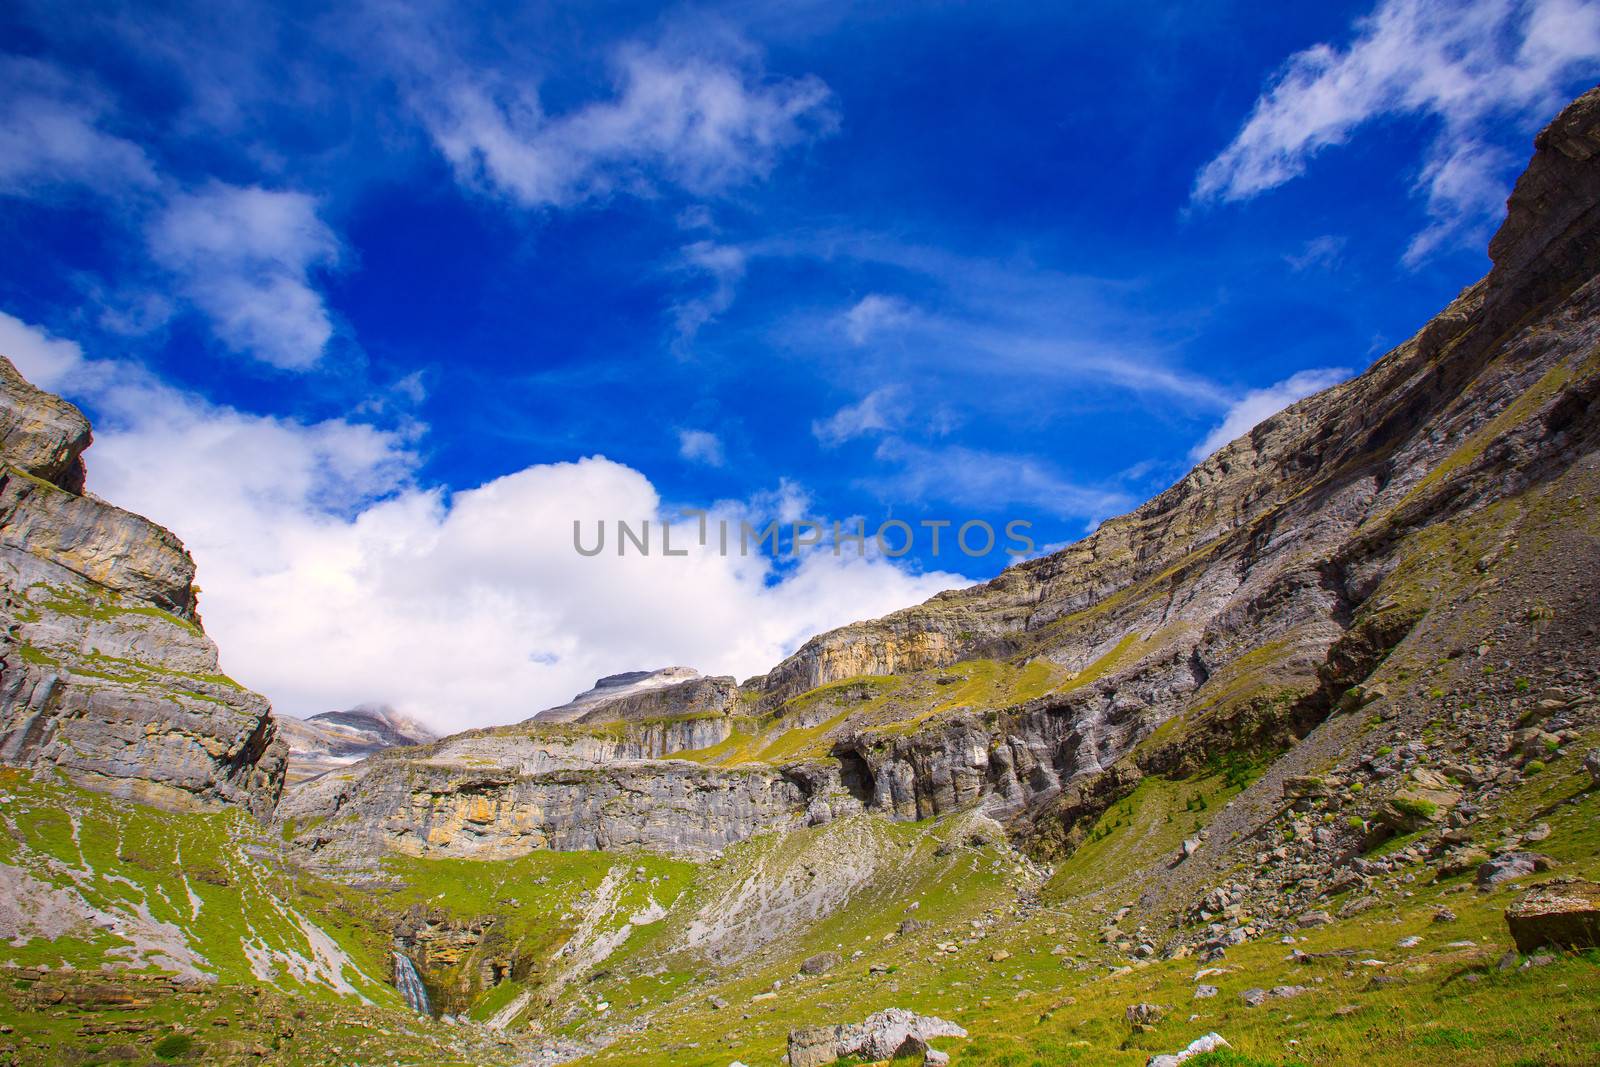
(104, 670)
(431, 809)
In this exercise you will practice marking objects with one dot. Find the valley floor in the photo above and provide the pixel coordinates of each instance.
(139, 937)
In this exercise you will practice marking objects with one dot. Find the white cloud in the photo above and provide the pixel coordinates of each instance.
(701, 124)
(877, 411)
(51, 135)
(1260, 404)
(46, 361)
(245, 256)
(701, 446)
(331, 577)
(873, 314)
(1459, 62)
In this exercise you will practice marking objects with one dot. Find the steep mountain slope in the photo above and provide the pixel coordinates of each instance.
(1231, 613)
(338, 738)
(104, 669)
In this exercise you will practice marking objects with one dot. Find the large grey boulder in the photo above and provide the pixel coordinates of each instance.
(880, 1037)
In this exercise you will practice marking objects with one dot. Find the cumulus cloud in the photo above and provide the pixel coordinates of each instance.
(332, 577)
(53, 136)
(44, 360)
(1260, 404)
(701, 446)
(245, 256)
(1457, 62)
(697, 123)
(879, 410)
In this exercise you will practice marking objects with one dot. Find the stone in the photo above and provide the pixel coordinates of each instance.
(1212, 1042)
(999, 955)
(1511, 865)
(1309, 919)
(1254, 998)
(1563, 914)
(1204, 992)
(1141, 1016)
(821, 963)
(876, 1038)
(1591, 763)
(1461, 861)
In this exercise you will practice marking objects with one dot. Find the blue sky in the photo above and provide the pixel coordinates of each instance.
(337, 287)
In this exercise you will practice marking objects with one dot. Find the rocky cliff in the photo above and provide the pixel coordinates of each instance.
(1233, 613)
(105, 671)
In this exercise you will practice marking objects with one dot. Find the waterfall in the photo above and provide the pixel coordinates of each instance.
(409, 982)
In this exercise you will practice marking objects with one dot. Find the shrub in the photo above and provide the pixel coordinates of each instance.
(1534, 766)
(1355, 822)
(174, 1046)
(1417, 809)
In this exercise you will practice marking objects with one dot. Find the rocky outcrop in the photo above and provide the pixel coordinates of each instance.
(334, 739)
(41, 434)
(105, 672)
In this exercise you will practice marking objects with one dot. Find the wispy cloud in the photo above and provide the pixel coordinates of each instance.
(722, 266)
(1319, 253)
(992, 481)
(1260, 404)
(881, 409)
(245, 256)
(873, 314)
(53, 135)
(701, 446)
(1458, 62)
(699, 123)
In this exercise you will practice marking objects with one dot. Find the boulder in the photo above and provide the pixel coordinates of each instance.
(821, 963)
(1212, 1042)
(1565, 914)
(1461, 861)
(1510, 865)
(879, 1037)
(1143, 1016)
